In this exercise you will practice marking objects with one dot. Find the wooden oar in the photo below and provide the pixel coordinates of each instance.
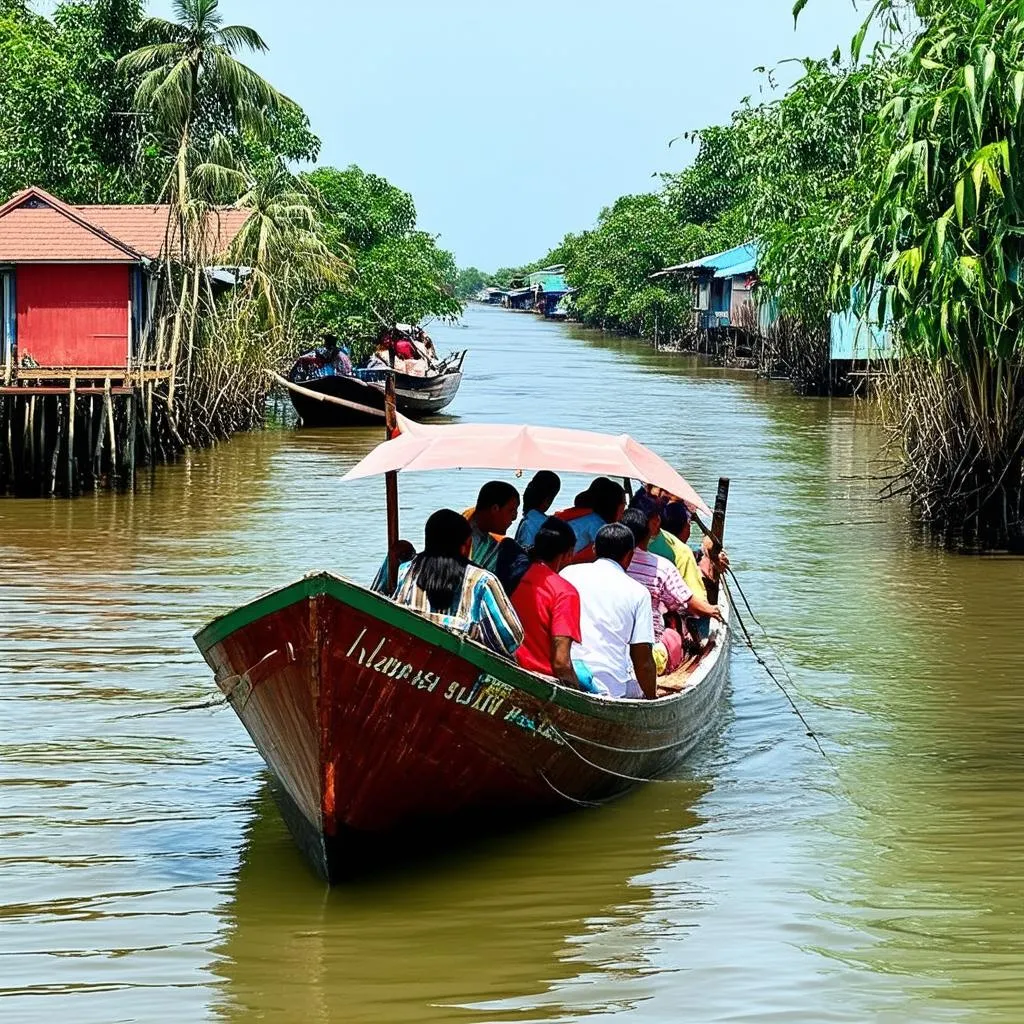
(367, 410)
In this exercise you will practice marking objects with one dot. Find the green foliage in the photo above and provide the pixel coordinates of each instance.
(469, 281)
(808, 169)
(63, 111)
(399, 274)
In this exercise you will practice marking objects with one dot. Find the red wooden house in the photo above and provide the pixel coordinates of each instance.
(76, 281)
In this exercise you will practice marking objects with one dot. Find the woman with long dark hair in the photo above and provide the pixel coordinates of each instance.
(441, 584)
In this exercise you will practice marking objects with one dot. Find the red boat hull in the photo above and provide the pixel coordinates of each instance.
(373, 719)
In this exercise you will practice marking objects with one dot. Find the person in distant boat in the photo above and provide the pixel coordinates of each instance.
(442, 584)
(601, 503)
(538, 497)
(664, 584)
(549, 608)
(616, 624)
(497, 506)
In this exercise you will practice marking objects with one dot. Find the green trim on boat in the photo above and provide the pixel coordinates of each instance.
(384, 610)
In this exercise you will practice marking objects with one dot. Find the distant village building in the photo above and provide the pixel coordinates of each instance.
(548, 288)
(725, 299)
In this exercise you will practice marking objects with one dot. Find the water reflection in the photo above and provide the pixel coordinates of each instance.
(493, 928)
(145, 876)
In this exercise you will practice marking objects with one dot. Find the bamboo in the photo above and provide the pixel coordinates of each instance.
(147, 423)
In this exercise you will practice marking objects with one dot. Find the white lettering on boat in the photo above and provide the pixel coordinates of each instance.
(486, 694)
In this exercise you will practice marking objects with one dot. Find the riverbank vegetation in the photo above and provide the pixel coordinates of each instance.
(102, 104)
(887, 181)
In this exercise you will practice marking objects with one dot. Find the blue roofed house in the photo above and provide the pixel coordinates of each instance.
(726, 300)
(548, 287)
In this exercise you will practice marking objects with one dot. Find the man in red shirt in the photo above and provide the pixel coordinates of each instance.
(548, 606)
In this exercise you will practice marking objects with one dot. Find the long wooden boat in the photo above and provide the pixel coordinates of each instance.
(375, 720)
(372, 718)
(361, 396)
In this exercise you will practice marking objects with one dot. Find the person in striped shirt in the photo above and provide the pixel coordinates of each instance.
(668, 591)
(442, 585)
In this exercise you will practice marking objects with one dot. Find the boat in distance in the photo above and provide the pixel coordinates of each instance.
(374, 720)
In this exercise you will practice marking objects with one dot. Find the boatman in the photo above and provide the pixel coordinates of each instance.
(616, 624)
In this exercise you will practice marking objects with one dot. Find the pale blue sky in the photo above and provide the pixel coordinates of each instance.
(511, 128)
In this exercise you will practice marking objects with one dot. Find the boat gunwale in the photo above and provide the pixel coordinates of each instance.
(328, 584)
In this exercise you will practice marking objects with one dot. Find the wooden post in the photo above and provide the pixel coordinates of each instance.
(28, 467)
(718, 534)
(72, 406)
(97, 458)
(108, 402)
(132, 427)
(147, 423)
(391, 484)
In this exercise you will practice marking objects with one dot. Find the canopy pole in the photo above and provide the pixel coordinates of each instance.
(717, 535)
(391, 483)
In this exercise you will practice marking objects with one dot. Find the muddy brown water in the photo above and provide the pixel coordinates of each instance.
(146, 876)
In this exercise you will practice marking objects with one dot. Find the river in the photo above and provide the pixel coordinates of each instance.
(146, 875)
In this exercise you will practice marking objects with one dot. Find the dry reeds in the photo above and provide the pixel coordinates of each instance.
(961, 435)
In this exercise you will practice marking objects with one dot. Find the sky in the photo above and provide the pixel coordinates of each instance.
(511, 124)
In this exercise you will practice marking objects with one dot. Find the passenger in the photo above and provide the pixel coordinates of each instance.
(540, 492)
(601, 503)
(549, 606)
(497, 506)
(675, 532)
(441, 584)
(404, 552)
(667, 590)
(616, 624)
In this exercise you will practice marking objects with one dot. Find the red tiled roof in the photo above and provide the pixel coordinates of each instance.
(38, 228)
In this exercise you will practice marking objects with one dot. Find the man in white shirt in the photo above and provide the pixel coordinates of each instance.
(616, 624)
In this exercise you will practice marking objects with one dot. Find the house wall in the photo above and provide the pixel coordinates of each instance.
(73, 315)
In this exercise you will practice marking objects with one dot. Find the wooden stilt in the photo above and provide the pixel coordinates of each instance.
(97, 458)
(30, 437)
(147, 423)
(130, 441)
(108, 403)
(41, 447)
(55, 458)
(72, 412)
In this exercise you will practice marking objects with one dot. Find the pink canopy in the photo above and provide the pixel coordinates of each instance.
(511, 446)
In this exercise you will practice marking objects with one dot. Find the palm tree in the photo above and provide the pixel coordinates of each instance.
(281, 243)
(190, 74)
(191, 85)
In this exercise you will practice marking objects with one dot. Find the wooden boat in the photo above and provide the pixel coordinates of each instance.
(374, 720)
(337, 400)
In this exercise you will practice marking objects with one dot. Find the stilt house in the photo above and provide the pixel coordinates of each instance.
(77, 284)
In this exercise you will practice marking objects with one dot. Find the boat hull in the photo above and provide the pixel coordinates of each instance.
(374, 720)
(414, 397)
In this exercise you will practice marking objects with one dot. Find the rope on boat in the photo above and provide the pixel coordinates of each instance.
(214, 702)
(565, 796)
(764, 664)
(627, 750)
(598, 767)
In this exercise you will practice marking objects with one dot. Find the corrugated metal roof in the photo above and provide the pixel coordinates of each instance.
(748, 266)
(738, 255)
